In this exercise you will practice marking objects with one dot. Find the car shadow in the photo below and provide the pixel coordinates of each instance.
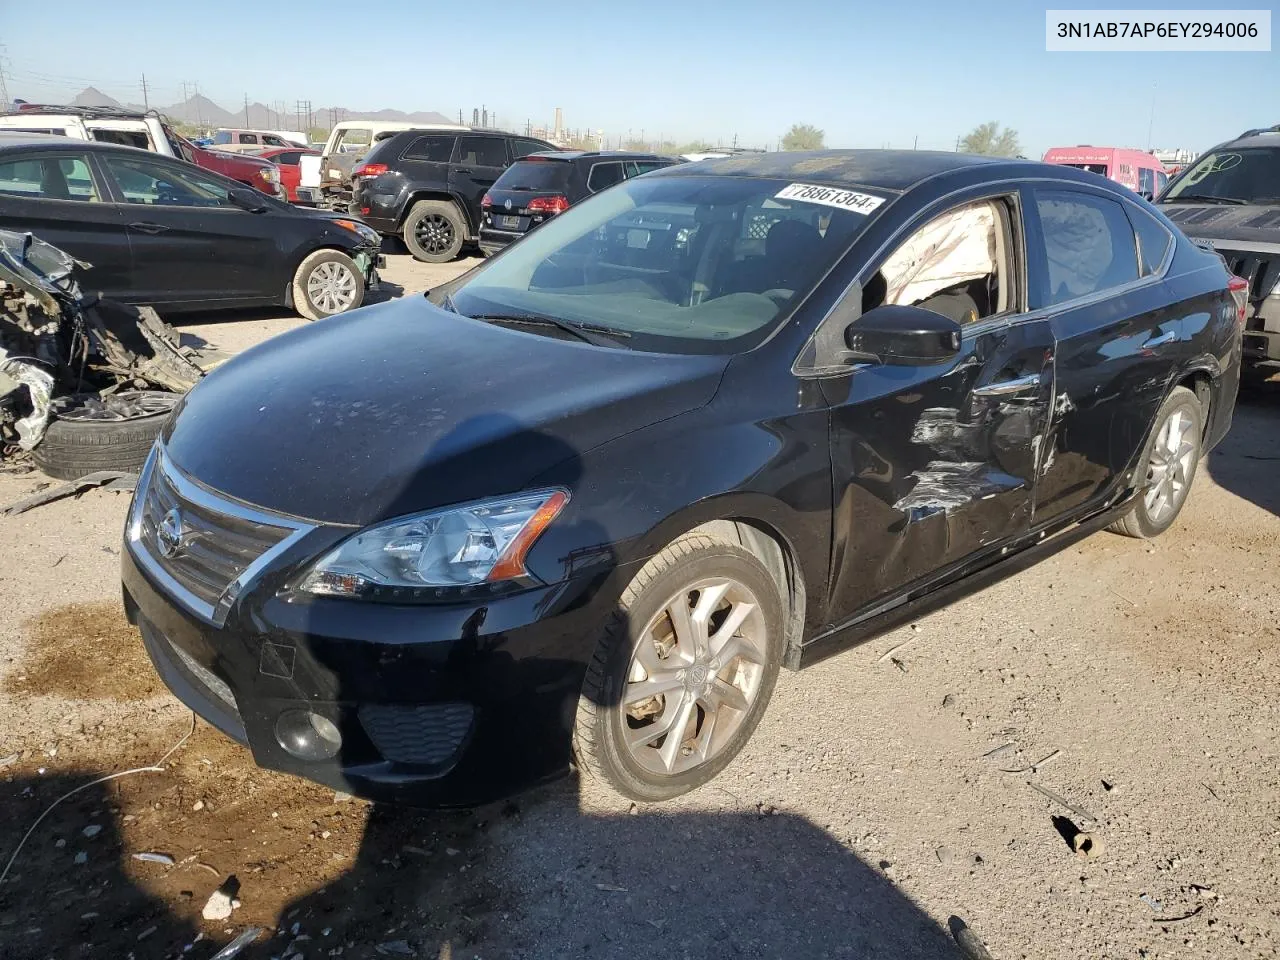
(1247, 461)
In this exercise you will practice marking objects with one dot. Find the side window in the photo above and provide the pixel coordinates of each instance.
(522, 148)
(53, 178)
(1162, 181)
(289, 159)
(1153, 239)
(604, 175)
(482, 152)
(271, 141)
(1089, 244)
(635, 168)
(246, 138)
(126, 138)
(160, 184)
(355, 140)
(432, 149)
(1146, 181)
(958, 264)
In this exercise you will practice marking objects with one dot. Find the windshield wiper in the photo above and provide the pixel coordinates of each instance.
(1205, 198)
(589, 332)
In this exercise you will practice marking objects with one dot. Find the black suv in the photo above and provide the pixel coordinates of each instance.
(1229, 199)
(544, 184)
(426, 185)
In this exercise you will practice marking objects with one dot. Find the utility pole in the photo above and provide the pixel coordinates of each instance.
(246, 109)
(915, 144)
(4, 89)
(1152, 122)
(146, 104)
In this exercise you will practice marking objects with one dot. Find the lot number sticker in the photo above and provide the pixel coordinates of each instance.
(863, 203)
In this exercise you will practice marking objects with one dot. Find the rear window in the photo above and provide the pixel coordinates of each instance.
(222, 136)
(126, 138)
(435, 149)
(535, 175)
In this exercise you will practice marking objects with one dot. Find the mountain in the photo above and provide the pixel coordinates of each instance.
(200, 110)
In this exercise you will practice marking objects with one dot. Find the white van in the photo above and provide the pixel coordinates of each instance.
(247, 141)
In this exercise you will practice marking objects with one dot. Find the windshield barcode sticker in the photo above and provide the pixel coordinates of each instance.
(830, 196)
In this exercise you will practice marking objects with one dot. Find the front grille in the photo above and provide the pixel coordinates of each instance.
(1261, 271)
(198, 541)
(427, 735)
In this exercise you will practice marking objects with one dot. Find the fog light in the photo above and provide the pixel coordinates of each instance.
(307, 735)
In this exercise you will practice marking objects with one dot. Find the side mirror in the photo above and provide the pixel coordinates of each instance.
(247, 198)
(906, 336)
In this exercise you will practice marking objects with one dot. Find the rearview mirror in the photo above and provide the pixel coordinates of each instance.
(247, 199)
(907, 336)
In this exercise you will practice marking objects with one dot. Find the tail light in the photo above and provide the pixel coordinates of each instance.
(486, 201)
(369, 170)
(1239, 288)
(548, 205)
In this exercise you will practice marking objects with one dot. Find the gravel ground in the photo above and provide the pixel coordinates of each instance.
(877, 803)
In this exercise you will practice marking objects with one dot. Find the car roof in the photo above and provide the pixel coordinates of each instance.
(596, 154)
(895, 170)
(14, 141)
(1261, 138)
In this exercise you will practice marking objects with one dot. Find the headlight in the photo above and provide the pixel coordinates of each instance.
(430, 556)
(364, 230)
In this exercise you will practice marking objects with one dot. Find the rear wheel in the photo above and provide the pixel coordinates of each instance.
(1170, 460)
(327, 283)
(682, 675)
(434, 231)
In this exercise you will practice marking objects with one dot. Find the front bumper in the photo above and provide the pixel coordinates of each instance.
(437, 706)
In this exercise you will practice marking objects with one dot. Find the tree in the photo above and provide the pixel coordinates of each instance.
(804, 136)
(990, 140)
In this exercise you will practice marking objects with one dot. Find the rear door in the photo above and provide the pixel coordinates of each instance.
(191, 244)
(58, 196)
(478, 162)
(1118, 339)
(934, 466)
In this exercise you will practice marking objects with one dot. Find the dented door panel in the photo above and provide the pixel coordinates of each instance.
(930, 465)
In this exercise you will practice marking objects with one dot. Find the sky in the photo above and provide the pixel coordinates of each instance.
(869, 75)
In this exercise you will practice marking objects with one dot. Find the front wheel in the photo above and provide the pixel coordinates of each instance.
(1170, 461)
(327, 282)
(683, 673)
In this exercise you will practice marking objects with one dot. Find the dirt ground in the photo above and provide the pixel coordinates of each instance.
(1122, 688)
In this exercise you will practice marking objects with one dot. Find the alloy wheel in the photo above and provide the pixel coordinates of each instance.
(332, 287)
(1171, 464)
(694, 675)
(434, 233)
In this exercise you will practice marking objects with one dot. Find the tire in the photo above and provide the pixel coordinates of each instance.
(327, 283)
(434, 231)
(604, 723)
(1151, 514)
(71, 449)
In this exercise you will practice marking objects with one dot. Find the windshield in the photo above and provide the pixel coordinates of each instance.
(678, 263)
(1251, 175)
(534, 175)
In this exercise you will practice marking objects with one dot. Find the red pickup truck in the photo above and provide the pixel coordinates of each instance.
(148, 131)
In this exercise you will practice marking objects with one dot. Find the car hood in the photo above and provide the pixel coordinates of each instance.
(405, 406)
(1251, 224)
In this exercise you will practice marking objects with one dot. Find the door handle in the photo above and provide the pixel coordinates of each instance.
(465, 170)
(1160, 341)
(1007, 388)
(146, 227)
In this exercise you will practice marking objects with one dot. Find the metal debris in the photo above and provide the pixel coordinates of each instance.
(1078, 811)
(107, 479)
(1035, 766)
(238, 944)
(162, 858)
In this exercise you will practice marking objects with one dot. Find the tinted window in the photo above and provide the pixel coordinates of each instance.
(534, 175)
(1089, 244)
(522, 148)
(55, 178)
(1251, 174)
(482, 152)
(289, 159)
(604, 175)
(160, 184)
(126, 138)
(274, 141)
(1153, 239)
(636, 167)
(434, 149)
(247, 138)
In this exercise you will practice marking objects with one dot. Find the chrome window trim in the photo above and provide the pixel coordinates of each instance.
(999, 188)
(213, 614)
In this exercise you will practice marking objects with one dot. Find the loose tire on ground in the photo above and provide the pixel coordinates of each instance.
(1145, 519)
(71, 449)
(316, 264)
(434, 231)
(602, 730)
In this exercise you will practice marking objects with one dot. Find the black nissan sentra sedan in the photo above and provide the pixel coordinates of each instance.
(583, 503)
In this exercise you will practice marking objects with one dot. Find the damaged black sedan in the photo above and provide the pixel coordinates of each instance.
(583, 503)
